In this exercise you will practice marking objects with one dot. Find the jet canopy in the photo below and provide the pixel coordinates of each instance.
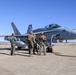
(52, 26)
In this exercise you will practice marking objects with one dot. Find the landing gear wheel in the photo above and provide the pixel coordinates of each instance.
(19, 48)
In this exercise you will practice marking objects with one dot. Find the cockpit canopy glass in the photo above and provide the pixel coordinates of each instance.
(52, 26)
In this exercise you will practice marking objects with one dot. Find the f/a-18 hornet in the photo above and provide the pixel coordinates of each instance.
(49, 30)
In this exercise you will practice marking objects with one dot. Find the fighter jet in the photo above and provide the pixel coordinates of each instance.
(65, 33)
(49, 31)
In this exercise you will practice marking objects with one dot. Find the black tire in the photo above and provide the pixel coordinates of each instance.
(19, 48)
(49, 49)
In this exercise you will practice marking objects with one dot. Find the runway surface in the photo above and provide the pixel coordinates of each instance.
(61, 62)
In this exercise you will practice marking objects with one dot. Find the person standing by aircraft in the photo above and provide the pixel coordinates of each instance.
(42, 40)
(30, 43)
(35, 44)
(13, 41)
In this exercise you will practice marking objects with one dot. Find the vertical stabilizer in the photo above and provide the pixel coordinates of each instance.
(16, 31)
(29, 28)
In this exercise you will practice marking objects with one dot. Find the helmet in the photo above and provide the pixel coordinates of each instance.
(31, 32)
(42, 33)
(13, 34)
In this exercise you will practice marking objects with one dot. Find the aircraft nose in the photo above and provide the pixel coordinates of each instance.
(72, 34)
(68, 34)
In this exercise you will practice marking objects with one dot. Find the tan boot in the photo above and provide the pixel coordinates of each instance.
(29, 55)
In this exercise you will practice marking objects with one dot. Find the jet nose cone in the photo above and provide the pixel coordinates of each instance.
(68, 34)
(72, 34)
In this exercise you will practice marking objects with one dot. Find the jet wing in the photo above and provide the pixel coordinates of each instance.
(7, 37)
(15, 35)
(25, 35)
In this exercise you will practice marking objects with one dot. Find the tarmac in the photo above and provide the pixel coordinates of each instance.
(61, 62)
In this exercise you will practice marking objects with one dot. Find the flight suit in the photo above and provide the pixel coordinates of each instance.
(42, 40)
(30, 44)
(13, 40)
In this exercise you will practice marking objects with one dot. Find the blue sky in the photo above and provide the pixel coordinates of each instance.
(39, 13)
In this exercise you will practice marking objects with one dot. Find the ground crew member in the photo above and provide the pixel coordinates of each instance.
(35, 44)
(30, 44)
(42, 40)
(13, 41)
